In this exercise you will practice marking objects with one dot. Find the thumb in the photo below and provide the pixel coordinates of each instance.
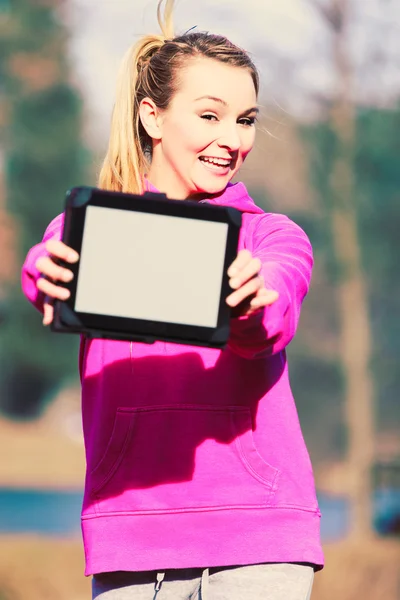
(48, 311)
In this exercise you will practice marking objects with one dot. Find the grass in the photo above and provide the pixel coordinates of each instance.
(35, 568)
(367, 571)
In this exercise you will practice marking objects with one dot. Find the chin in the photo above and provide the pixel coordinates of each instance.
(212, 188)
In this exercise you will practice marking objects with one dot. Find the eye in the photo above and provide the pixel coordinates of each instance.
(248, 121)
(209, 117)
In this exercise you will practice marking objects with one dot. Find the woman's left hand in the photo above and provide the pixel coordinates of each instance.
(250, 294)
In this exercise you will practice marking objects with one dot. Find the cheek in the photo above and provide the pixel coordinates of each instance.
(199, 136)
(248, 144)
(183, 137)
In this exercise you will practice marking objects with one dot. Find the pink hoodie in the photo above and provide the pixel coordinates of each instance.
(195, 457)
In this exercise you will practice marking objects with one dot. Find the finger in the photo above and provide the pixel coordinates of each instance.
(248, 289)
(52, 290)
(239, 263)
(50, 269)
(48, 313)
(251, 269)
(264, 298)
(61, 250)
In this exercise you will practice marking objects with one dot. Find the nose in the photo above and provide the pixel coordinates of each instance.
(230, 138)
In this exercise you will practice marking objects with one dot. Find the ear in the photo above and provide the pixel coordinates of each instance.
(150, 118)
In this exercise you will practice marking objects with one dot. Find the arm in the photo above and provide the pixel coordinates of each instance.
(30, 273)
(286, 263)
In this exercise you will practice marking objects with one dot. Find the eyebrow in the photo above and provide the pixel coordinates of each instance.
(254, 109)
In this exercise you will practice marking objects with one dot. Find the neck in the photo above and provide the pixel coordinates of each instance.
(165, 180)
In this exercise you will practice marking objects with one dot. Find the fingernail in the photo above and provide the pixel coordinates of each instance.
(68, 276)
(232, 271)
(234, 283)
(73, 257)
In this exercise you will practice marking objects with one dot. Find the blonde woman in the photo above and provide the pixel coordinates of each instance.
(199, 484)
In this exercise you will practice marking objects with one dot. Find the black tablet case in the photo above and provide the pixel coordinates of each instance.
(220, 226)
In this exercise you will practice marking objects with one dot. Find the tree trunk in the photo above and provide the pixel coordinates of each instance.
(355, 326)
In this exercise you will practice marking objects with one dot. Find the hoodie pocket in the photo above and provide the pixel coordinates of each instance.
(170, 458)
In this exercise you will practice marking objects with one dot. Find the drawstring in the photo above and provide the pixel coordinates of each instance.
(204, 584)
(158, 584)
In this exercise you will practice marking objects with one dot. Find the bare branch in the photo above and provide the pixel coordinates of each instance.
(331, 13)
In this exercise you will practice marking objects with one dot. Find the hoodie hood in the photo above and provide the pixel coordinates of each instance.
(235, 195)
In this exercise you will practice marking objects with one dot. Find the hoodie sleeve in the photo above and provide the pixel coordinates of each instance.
(30, 274)
(287, 259)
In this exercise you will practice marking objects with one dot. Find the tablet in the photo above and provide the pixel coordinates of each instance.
(150, 268)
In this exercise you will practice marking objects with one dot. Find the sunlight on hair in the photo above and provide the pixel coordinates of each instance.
(149, 70)
(166, 18)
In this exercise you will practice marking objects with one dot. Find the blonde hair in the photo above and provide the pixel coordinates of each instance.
(149, 70)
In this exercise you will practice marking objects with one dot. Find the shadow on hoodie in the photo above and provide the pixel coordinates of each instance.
(169, 431)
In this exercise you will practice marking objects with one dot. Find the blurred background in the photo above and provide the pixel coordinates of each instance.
(327, 155)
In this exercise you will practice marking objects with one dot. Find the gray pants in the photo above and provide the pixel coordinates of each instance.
(254, 582)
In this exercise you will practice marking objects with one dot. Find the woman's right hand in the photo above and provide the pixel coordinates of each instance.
(51, 273)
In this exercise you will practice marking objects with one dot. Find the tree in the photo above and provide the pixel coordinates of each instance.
(43, 158)
(352, 290)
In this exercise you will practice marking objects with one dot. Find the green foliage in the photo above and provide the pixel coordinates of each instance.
(44, 157)
(319, 388)
(377, 184)
(316, 376)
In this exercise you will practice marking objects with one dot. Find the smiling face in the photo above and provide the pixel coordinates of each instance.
(202, 139)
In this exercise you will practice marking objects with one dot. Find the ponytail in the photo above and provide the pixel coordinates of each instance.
(126, 163)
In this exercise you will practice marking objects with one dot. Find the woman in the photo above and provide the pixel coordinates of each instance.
(199, 484)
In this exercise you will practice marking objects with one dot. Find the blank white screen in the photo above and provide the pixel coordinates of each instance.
(152, 267)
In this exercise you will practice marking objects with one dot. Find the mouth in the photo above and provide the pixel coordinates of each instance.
(221, 165)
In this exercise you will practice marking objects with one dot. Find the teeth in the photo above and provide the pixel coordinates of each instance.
(216, 161)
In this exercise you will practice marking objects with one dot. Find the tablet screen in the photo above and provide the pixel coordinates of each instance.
(150, 266)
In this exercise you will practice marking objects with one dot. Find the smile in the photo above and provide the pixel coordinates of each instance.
(218, 162)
